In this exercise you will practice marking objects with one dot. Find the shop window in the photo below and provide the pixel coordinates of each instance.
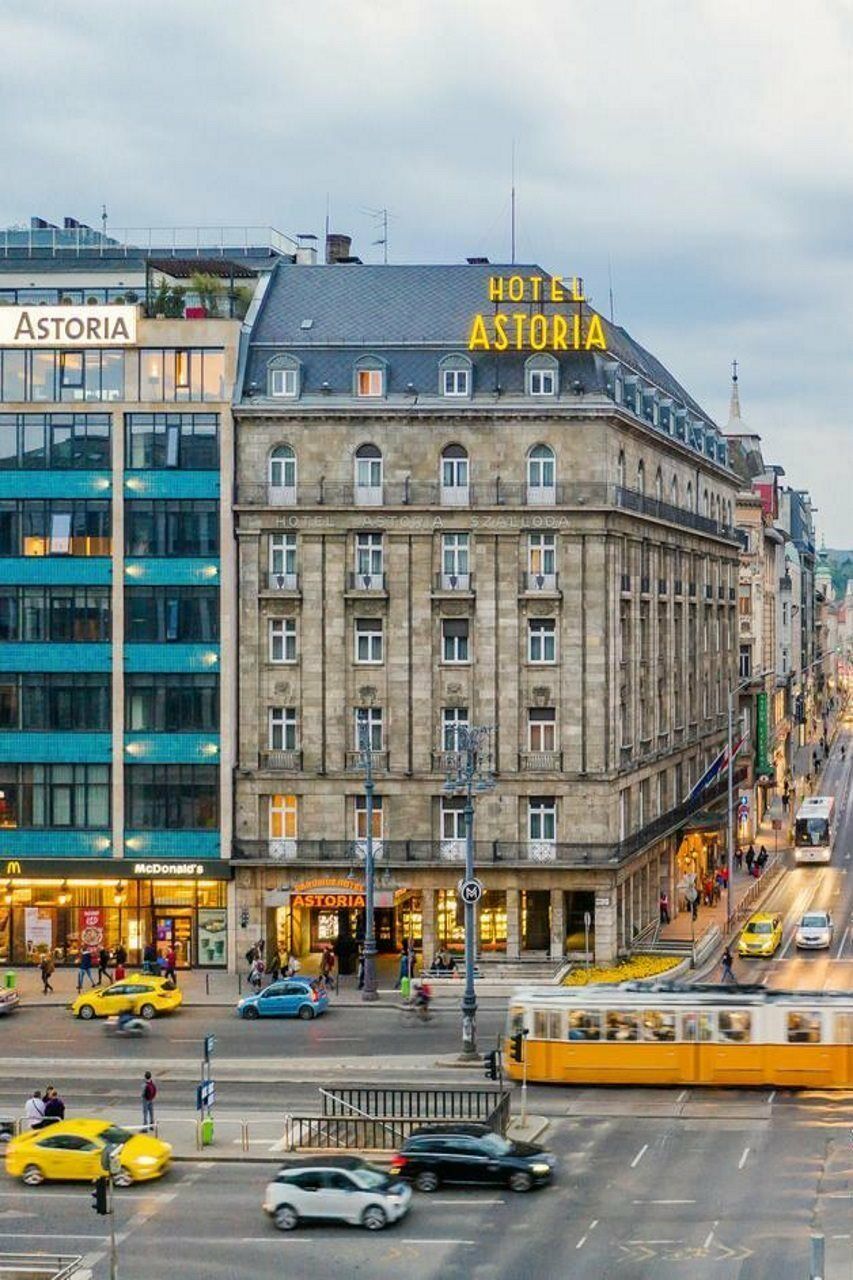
(621, 1025)
(584, 1024)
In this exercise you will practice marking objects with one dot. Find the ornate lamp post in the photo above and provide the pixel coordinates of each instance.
(368, 991)
(470, 771)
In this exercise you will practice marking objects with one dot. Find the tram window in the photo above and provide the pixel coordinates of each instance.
(696, 1026)
(541, 1025)
(844, 1028)
(657, 1025)
(584, 1026)
(804, 1027)
(622, 1025)
(736, 1027)
(516, 1021)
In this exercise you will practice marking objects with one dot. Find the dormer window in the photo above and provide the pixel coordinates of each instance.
(455, 376)
(542, 374)
(283, 377)
(370, 377)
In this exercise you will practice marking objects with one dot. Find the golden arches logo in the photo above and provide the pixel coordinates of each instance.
(13, 868)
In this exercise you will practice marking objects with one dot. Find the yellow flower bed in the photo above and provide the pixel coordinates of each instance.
(625, 971)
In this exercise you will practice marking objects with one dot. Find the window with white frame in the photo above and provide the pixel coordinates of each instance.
(376, 824)
(454, 639)
(368, 555)
(541, 729)
(284, 382)
(454, 470)
(282, 468)
(283, 817)
(541, 640)
(370, 382)
(368, 728)
(452, 818)
(455, 382)
(542, 818)
(368, 475)
(368, 640)
(453, 719)
(541, 374)
(283, 559)
(282, 728)
(541, 474)
(542, 555)
(282, 639)
(454, 558)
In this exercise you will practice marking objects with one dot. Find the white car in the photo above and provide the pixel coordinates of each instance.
(814, 930)
(342, 1189)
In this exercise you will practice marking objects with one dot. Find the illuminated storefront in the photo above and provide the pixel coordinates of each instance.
(181, 905)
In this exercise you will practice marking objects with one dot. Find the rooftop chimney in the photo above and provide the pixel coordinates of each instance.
(337, 247)
(306, 249)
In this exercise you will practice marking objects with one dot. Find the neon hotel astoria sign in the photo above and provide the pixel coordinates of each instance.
(537, 322)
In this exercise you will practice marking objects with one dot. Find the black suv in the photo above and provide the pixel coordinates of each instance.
(471, 1153)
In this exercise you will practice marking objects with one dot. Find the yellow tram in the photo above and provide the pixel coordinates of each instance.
(673, 1034)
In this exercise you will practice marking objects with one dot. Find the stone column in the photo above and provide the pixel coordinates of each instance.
(558, 924)
(429, 944)
(606, 946)
(513, 924)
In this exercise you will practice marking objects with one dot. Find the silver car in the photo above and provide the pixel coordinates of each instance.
(340, 1189)
(814, 930)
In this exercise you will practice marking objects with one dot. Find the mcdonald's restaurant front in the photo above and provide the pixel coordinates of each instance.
(61, 906)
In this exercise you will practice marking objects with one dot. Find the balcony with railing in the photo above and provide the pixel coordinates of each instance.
(453, 583)
(540, 583)
(540, 761)
(366, 583)
(282, 761)
(281, 583)
(378, 760)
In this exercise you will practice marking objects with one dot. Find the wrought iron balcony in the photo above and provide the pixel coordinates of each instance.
(288, 761)
(379, 760)
(540, 761)
(283, 582)
(540, 582)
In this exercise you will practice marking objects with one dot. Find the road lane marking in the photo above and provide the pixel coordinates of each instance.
(663, 1201)
(843, 943)
(464, 1203)
(638, 1157)
(682, 1097)
(580, 1244)
(743, 1158)
(710, 1236)
(770, 1097)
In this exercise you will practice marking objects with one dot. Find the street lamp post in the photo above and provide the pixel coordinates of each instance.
(730, 852)
(368, 991)
(471, 772)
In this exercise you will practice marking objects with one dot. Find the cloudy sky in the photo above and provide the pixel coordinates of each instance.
(701, 147)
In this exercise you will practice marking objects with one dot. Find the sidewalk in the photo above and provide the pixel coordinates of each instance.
(745, 891)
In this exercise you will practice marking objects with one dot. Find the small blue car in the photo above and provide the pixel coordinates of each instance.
(289, 998)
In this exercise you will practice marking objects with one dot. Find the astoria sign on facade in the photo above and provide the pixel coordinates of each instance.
(537, 323)
(67, 326)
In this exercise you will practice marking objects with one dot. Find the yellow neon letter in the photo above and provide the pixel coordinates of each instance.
(558, 334)
(576, 332)
(538, 333)
(518, 319)
(515, 287)
(535, 287)
(496, 289)
(557, 294)
(501, 343)
(478, 338)
(595, 333)
(577, 289)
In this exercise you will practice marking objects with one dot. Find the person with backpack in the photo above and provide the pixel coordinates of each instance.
(47, 968)
(103, 965)
(728, 974)
(149, 1093)
(84, 969)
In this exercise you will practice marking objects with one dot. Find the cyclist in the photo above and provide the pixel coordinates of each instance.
(423, 996)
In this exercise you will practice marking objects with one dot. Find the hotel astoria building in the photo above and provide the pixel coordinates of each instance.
(464, 498)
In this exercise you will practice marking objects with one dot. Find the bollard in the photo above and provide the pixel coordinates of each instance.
(207, 1131)
(244, 1135)
(816, 1264)
(405, 987)
(207, 984)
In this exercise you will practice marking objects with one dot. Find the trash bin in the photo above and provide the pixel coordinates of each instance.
(406, 987)
(11, 979)
(207, 1131)
(7, 1128)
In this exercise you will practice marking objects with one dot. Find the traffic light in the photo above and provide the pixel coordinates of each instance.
(517, 1051)
(101, 1195)
(490, 1065)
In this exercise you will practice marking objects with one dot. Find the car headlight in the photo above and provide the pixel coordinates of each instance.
(541, 1167)
(146, 1161)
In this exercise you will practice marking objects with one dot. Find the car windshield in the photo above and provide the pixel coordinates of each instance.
(495, 1144)
(814, 922)
(113, 1133)
(760, 926)
(369, 1179)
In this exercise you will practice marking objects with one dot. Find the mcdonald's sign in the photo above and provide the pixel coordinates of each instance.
(13, 867)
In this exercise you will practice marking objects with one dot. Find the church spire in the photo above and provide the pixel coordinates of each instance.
(734, 423)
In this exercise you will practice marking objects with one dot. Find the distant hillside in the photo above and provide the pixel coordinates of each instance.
(842, 568)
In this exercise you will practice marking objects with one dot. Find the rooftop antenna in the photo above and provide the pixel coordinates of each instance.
(381, 215)
(512, 209)
(610, 289)
(104, 219)
(328, 224)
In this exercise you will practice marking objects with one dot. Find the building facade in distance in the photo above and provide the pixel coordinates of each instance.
(463, 498)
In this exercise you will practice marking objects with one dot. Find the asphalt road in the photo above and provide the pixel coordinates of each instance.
(730, 1188)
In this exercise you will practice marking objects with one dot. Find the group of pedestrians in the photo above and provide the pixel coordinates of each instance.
(44, 1108)
(111, 966)
(270, 967)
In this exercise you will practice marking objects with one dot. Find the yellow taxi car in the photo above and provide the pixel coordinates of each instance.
(71, 1150)
(761, 936)
(139, 993)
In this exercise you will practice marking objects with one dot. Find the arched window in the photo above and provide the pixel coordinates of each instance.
(454, 476)
(689, 495)
(673, 491)
(454, 376)
(541, 376)
(659, 485)
(620, 469)
(368, 476)
(705, 506)
(541, 476)
(282, 475)
(641, 477)
(370, 376)
(284, 377)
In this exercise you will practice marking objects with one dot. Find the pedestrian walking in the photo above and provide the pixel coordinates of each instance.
(149, 958)
(256, 974)
(149, 1093)
(103, 965)
(404, 970)
(327, 967)
(663, 906)
(750, 858)
(171, 965)
(294, 964)
(762, 858)
(34, 1110)
(84, 969)
(120, 956)
(54, 1107)
(360, 970)
(738, 859)
(274, 966)
(728, 972)
(47, 968)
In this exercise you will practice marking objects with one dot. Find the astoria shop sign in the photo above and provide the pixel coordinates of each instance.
(67, 326)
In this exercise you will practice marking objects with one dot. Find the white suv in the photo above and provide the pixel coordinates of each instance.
(814, 930)
(344, 1189)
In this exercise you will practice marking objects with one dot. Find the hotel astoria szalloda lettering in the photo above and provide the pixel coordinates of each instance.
(541, 325)
(67, 326)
